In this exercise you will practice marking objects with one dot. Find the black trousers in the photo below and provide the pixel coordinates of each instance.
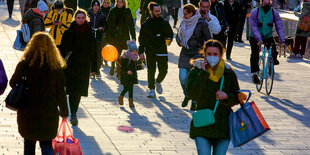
(221, 37)
(74, 101)
(129, 89)
(99, 60)
(10, 4)
(231, 36)
(300, 45)
(241, 22)
(30, 147)
(162, 64)
(255, 53)
(175, 16)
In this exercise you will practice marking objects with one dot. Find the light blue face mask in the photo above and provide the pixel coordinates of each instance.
(213, 60)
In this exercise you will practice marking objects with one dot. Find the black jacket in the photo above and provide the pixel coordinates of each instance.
(217, 9)
(126, 65)
(84, 53)
(97, 20)
(232, 12)
(203, 90)
(38, 121)
(120, 25)
(153, 33)
(34, 20)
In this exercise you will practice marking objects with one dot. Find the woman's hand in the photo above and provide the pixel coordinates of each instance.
(129, 72)
(220, 95)
(241, 98)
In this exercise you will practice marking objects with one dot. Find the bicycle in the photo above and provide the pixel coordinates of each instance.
(266, 69)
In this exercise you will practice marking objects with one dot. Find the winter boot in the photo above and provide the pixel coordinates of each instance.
(120, 100)
(131, 105)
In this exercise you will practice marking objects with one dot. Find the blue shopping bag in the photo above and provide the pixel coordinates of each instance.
(18, 43)
(246, 124)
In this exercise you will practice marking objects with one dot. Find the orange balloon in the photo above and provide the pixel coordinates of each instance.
(109, 53)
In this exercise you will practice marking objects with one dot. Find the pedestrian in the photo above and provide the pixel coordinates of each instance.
(120, 25)
(78, 40)
(245, 6)
(58, 20)
(28, 4)
(105, 9)
(84, 4)
(232, 10)
(204, 86)
(301, 35)
(213, 23)
(99, 24)
(46, 98)
(34, 17)
(71, 4)
(217, 9)
(128, 72)
(154, 34)
(193, 32)
(133, 5)
(261, 24)
(173, 7)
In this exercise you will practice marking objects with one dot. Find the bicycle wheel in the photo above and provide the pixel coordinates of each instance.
(260, 75)
(269, 75)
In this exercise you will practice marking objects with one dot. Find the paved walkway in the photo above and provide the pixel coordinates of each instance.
(161, 125)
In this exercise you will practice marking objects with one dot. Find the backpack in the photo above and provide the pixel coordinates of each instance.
(25, 32)
(305, 24)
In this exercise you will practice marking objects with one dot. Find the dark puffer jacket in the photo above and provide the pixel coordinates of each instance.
(38, 121)
(35, 20)
(97, 20)
(200, 35)
(126, 65)
(200, 88)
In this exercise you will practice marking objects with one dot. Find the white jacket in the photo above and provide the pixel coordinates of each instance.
(214, 24)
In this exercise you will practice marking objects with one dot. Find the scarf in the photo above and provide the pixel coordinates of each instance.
(217, 74)
(85, 27)
(187, 28)
(128, 55)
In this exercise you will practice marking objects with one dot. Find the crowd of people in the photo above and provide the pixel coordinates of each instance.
(71, 53)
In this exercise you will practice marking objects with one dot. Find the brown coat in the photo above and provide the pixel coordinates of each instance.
(39, 119)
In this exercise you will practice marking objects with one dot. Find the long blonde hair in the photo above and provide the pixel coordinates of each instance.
(124, 3)
(42, 48)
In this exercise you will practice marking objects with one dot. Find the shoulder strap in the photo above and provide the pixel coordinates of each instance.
(217, 101)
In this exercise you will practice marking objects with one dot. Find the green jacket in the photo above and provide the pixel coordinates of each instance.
(133, 5)
(200, 88)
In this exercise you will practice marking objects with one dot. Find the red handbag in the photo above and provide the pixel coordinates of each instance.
(66, 144)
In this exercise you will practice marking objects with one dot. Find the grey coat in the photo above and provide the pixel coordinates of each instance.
(304, 12)
(195, 43)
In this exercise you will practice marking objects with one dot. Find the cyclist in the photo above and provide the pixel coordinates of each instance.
(261, 22)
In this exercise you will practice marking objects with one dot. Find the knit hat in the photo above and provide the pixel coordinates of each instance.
(95, 2)
(58, 4)
(132, 46)
(42, 6)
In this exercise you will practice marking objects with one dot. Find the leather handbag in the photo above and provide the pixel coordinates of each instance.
(17, 97)
(305, 24)
(205, 117)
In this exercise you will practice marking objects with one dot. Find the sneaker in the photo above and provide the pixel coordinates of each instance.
(229, 59)
(74, 120)
(151, 94)
(185, 102)
(159, 88)
(255, 79)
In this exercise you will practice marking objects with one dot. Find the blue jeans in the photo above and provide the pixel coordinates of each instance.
(30, 146)
(183, 75)
(203, 145)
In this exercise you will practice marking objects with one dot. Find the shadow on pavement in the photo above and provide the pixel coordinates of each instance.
(88, 143)
(282, 104)
(11, 22)
(141, 122)
(172, 115)
(243, 71)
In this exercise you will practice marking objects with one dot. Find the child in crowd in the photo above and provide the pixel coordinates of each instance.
(128, 72)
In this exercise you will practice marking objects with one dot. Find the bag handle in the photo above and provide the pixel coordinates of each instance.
(245, 91)
(217, 101)
(63, 125)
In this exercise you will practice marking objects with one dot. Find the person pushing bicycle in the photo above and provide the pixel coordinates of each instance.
(261, 23)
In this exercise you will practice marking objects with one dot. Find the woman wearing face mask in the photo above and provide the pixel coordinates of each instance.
(120, 25)
(203, 86)
(193, 32)
(78, 40)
